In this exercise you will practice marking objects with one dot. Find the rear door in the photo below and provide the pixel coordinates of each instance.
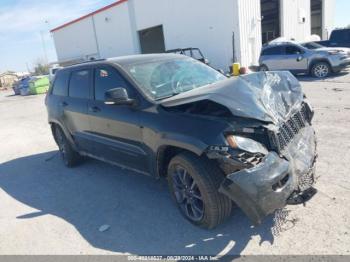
(116, 128)
(273, 57)
(75, 106)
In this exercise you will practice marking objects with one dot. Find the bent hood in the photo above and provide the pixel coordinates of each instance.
(266, 96)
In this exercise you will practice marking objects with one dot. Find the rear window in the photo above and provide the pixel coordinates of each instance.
(60, 86)
(79, 84)
(277, 50)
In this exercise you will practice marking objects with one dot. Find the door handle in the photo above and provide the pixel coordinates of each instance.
(64, 104)
(94, 109)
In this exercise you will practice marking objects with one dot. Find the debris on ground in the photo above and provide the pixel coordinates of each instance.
(104, 228)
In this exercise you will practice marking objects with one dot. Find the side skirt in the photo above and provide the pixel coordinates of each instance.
(114, 163)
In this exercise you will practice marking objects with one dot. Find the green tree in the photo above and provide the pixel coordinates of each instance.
(41, 68)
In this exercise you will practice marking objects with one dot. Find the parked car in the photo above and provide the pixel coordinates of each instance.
(216, 139)
(338, 38)
(297, 59)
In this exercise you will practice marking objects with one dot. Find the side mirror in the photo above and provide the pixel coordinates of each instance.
(300, 58)
(118, 96)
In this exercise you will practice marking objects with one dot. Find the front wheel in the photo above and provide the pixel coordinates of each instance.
(194, 184)
(321, 70)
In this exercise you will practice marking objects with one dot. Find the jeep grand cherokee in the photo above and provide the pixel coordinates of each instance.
(247, 140)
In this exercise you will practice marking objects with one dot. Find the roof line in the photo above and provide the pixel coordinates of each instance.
(88, 15)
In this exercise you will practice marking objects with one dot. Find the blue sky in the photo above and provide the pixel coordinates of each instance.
(23, 24)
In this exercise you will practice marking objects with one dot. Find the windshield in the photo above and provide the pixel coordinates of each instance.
(312, 45)
(166, 78)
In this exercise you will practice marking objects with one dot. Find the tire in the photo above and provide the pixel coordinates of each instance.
(69, 156)
(263, 68)
(200, 202)
(321, 70)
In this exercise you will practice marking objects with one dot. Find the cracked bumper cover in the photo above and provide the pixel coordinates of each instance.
(254, 190)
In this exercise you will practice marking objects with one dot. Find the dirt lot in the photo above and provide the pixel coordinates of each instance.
(49, 209)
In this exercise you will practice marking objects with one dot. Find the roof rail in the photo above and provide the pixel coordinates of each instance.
(89, 61)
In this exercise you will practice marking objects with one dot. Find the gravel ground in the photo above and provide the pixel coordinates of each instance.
(49, 209)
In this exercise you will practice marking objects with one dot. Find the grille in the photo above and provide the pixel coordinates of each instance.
(289, 129)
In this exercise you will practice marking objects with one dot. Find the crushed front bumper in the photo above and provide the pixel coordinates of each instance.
(261, 190)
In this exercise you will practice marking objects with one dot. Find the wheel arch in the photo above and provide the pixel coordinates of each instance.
(319, 60)
(167, 152)
(54, 124)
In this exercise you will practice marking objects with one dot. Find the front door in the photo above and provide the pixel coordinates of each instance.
(294, 59)
(115, 128)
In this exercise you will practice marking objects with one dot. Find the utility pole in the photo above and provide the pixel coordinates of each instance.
(27, 68)
(44, 46)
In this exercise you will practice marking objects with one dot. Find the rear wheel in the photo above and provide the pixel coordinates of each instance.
(69, 156)
(194, 184)
(321, 70)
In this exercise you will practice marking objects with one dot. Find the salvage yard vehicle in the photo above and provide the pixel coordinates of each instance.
(296, 58)
(338, 38)
(195, 53)
(218, 140)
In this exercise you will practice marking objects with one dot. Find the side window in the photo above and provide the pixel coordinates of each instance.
(105, 79)
(277, 50)
(60, 86)
(79, 84)
(293, 50)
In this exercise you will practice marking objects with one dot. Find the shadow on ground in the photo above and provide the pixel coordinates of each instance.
(139, 210)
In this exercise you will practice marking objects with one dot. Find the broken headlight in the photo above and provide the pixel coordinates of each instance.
(246, 144)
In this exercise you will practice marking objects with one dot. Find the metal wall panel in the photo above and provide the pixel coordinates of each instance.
(296, 19)
(328, 11)
(249, 23)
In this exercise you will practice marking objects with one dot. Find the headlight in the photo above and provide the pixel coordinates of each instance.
(246, 144)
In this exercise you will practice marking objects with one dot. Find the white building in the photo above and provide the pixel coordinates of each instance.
(226, 30)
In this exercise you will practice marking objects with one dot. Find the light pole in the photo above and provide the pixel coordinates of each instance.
(44, 46)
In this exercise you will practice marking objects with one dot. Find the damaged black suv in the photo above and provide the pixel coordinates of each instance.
(247, 140)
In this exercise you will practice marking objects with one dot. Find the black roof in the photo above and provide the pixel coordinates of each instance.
(134, 59)
(128, 60)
